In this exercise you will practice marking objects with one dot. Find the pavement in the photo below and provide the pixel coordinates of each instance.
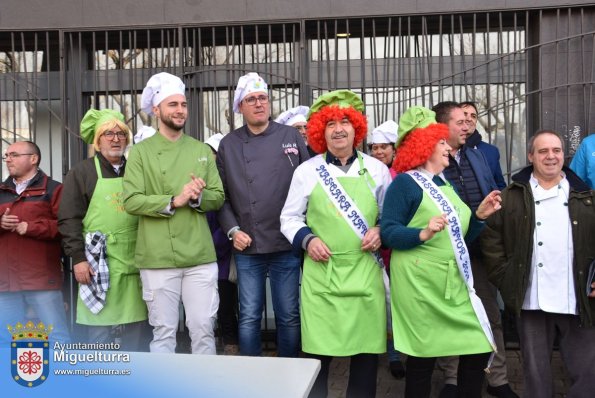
(388, 386)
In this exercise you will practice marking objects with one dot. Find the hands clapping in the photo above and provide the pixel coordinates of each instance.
(190, 191)
(12, 223)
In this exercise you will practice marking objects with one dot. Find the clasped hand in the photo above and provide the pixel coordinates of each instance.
(12, 223)
(190, 191)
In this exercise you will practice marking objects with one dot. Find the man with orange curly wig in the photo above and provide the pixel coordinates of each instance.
(435, 311)
(331, 213)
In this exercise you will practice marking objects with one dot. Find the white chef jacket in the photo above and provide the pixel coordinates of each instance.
(551, 281)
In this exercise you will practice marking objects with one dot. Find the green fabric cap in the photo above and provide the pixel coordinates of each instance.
(93, 119)
(342, 98)
(414, 118)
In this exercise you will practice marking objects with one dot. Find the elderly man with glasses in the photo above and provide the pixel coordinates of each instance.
(256, 163)
(85, 210)
(31, 274)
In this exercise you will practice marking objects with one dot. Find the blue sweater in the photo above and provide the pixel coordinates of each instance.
(401, 202)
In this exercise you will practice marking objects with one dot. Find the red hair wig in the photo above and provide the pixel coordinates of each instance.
(318, 120)
(418, 146)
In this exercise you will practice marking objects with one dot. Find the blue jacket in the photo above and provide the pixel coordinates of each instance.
(583, 163)
(492, 156)
(480, 167)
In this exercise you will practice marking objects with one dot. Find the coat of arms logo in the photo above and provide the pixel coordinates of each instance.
(30, 359)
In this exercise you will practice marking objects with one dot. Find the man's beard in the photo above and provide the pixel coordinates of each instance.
(169, 123)
(116, 153)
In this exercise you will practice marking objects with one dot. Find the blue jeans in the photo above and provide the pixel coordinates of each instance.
(48, 306)
(283, 269)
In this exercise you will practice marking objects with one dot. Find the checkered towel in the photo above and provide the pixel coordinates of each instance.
(93, 294)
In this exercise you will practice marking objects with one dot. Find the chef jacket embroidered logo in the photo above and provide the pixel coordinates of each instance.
(29, 354)
(290, 147)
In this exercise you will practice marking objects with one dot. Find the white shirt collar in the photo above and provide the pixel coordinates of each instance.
(21, 186)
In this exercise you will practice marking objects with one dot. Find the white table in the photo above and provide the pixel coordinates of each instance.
(173, 375)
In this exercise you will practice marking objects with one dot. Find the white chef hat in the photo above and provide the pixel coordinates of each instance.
(143, 133)
(293, 115)
(214, 140)
(158, 88)
(386, 133)
(248, 84)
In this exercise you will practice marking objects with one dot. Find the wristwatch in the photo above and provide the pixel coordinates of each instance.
(171, 203)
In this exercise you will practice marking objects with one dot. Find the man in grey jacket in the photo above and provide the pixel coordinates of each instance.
(256, 164)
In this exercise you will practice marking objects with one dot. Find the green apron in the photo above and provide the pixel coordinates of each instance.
(343, 310)
(124, 303)
(431, 309)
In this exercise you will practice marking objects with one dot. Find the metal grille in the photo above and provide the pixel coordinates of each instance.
(29, 94)
(220, 55)
(398, 62)
(527, 70)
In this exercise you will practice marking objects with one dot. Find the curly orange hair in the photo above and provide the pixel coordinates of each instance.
(418, 146)
(317, 125)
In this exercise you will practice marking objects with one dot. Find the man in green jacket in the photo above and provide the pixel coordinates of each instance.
(171, 182)
(538, 249)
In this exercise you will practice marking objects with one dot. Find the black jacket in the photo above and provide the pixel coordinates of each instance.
(256, 172)
(507, 241)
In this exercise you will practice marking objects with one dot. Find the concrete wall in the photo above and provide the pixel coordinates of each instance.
(18, 15)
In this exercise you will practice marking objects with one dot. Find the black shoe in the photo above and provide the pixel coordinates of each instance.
(397, 369)
(503, 391)
(449, 391)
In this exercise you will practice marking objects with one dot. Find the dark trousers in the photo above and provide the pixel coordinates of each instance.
(134, 336)
(362, 376)
(227, 314)
(488, 294)
(470, 375)
(537, 331)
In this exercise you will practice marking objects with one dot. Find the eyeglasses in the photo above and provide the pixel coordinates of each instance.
(263, 99)
(14, 155)
(110, 135)
(301, 128)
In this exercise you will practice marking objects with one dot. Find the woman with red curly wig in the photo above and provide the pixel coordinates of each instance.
(331, 213)
(435, 310)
